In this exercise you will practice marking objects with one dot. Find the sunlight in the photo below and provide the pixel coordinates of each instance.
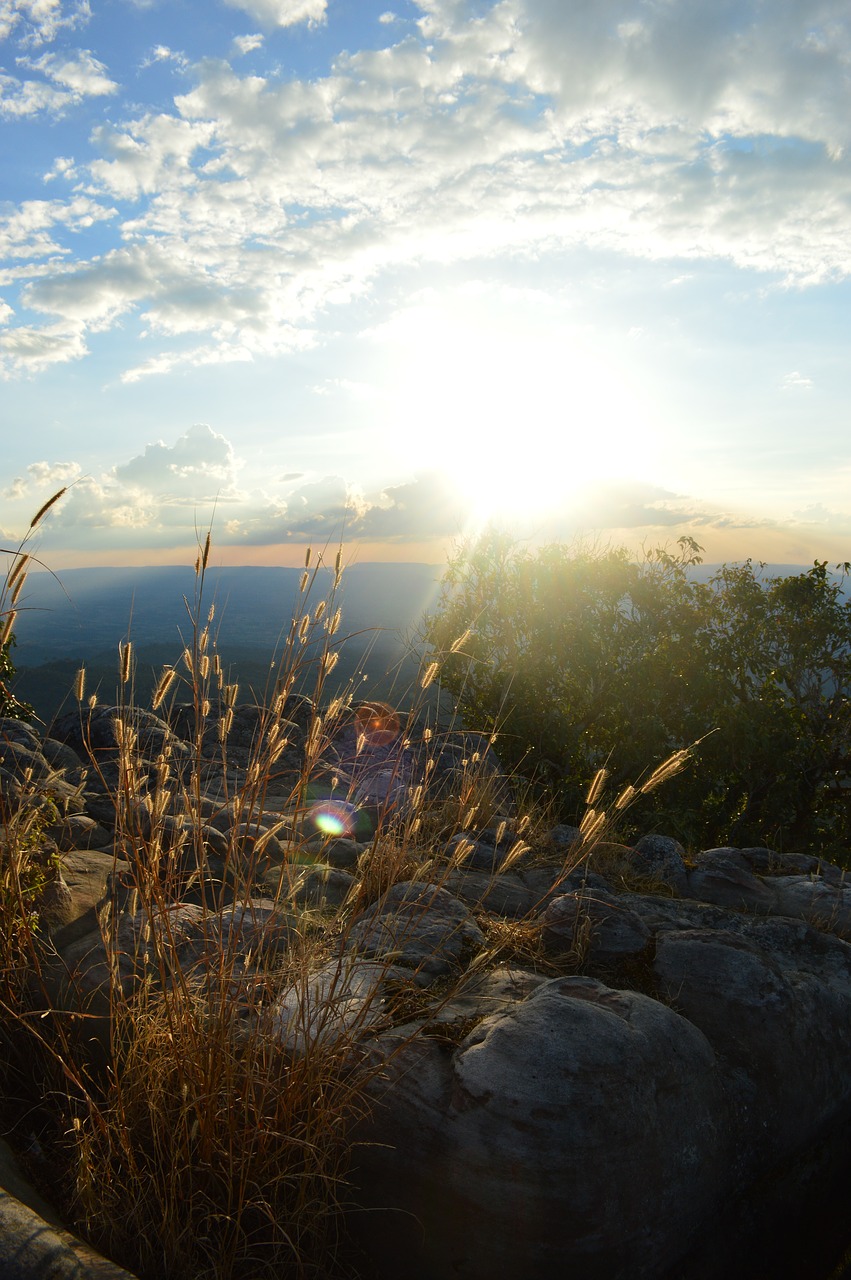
(521, 420)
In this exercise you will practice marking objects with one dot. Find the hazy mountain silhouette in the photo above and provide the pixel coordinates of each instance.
(81, 616)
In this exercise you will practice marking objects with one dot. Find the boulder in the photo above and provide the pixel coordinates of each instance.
(579, 1130)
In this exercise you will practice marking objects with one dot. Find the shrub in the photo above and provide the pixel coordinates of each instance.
(583, 657)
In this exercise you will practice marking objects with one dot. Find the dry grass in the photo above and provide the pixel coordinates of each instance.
(206, 1142)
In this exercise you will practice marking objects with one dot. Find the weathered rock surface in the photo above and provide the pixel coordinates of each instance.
(650, 1060)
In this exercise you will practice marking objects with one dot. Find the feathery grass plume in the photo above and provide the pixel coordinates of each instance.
(303, 628)
(516, 851)
(205, 554)
(523, 824)
(43, 510)
(668, 769)
(303, 581)
(329, 662)
(320, 609)
(592, 823)
(334, 624)
(204, 666)
(126, 654)
(338, 568)
(429, 674)
(8, 624)
(500, 832)
(626, 797)
(80, 684)
(307, 556)
(166, 680)
(18, 568)
(596, 789)
(230, 693)
(17, 589)
(188, 660)
(226, 724)
(461, 853)
(461, 641)
(313, 737)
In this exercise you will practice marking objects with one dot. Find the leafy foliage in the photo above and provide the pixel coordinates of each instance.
(9, 704)
(582, 657)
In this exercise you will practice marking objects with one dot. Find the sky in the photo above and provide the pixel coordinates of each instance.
(299, 271)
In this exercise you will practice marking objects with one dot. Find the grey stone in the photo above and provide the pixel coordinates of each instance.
(660, 858)
(503, 894)
(322, 886)
(722, 880)
(769, 1003)
(487, 1152)
(419, 925)
(828, 906)
(596, 926)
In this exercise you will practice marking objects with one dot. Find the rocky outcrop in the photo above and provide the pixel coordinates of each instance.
(629, 1075)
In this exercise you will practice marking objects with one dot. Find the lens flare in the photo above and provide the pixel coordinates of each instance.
(378, 723)
(334, 817)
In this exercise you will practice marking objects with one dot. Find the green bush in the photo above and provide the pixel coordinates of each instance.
(583, 657)
(9, 704)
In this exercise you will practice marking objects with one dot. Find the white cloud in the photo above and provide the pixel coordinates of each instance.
(31, 229)
(519, 128)
(83, 74)
(162, 53)
(282, 13)
(247, 44)
(796, 382)
(71, 79)
(36, 22)
(199, 467)
(42, 477)
(26, 349)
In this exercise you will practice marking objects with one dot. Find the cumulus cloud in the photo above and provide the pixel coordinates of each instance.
(199, 467)
(796, 382)
(283, 13)
(37, 22)
(42, 477)
(68, 81)
(247, 44)
(518, 128)
(25, 348)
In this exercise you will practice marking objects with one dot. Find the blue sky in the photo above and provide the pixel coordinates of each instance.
(311, 267)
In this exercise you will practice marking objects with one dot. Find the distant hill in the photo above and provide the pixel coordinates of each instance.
(81, 617)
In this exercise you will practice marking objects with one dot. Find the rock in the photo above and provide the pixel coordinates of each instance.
(34, 1245)
(579, 1131)
(337, 1003)
(827, 906)
(660, 858)
(340, 853)
(322, 886)
(595, 926)
(720, 876)
(79, 831)
(503, 895)
(420, 926)
(771, 1004)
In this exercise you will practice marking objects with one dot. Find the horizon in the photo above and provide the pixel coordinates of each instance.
(305, 271)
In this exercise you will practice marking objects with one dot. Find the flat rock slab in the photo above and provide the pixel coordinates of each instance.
(420, 926)
(488, 1150)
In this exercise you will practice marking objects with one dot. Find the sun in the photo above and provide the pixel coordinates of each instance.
(520, 419)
